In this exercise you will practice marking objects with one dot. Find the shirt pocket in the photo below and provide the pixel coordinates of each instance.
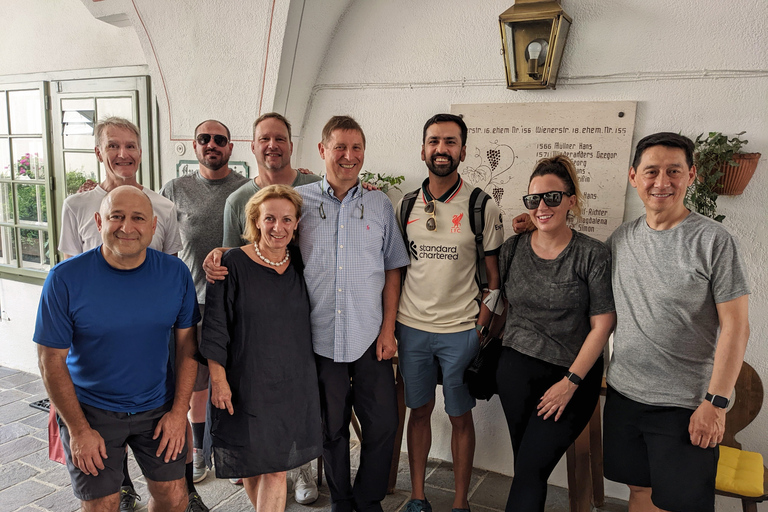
(564, 295)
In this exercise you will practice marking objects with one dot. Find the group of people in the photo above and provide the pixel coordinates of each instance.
(314, 290)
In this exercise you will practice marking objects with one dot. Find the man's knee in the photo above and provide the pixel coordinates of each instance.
(171, 495)
(105, 504)
(424, 413)
(463, 423)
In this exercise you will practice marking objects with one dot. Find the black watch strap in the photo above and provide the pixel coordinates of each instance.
(718, 401)
(573, 378)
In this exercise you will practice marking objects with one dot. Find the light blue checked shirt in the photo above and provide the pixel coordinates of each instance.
(345, 258)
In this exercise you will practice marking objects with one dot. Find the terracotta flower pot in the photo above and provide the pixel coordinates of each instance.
(735, 178)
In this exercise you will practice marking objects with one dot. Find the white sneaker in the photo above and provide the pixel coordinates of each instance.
(236, 481)
(305, 487)
(199, 471)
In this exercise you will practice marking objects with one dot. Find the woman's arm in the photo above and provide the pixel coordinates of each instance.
(221, 394)
(558, 396)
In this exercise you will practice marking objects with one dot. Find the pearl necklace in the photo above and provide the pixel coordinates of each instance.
(265, 260)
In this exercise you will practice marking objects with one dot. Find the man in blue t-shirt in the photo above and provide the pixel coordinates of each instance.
(102, 331)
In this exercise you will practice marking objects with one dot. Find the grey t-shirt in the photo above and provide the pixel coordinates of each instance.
(234, 211)
(666, 285)
(551, 301)
(200, 209)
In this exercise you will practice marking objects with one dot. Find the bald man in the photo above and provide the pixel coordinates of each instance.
(102, 331)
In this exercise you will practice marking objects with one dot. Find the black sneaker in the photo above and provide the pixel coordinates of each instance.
(418, 506)
(196, 503)
(128, 498)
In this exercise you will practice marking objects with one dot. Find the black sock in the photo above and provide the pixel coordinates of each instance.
(126, 477)
(188, 477)
(198, 431)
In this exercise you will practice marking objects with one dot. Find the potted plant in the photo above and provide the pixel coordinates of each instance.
(722, 168)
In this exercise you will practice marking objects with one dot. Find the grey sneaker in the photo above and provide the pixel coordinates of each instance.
(305, 488)
(418, 506)
(128, 498)
(199, 471)
(196, 503)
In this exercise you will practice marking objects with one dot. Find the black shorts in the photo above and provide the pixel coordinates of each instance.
(649, 446)
(118, 429)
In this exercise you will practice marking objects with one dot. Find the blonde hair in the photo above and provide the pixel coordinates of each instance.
(253, 208)
(562, 167)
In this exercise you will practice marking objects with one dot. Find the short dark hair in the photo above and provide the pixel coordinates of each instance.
(273, 115)
(229, 137)
(446, 118)
(344, 123)
(668, 139)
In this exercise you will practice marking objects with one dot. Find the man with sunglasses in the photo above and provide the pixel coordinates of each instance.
(199, 198)
(682, 298)
(439, 321)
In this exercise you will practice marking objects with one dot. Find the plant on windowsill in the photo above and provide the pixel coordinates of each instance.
(383, 181)
(722, 169)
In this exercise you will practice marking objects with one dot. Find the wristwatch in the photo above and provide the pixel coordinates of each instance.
(718, 401)
(573, 378)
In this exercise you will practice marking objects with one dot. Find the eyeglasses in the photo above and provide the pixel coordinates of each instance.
(431, 209)
(321, 209)
(205, 138)
(551, 199)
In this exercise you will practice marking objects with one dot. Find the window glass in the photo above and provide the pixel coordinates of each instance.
(8, 246)
(3, 114)
(80, 167)
(25, 113)
(117, 107)
(29, 163)
(5, 158)
(31, 203)
(34, 249)
(78, 120)
(6, 202)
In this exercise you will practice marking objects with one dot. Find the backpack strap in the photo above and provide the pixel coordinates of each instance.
(477, 201)
(405, 211)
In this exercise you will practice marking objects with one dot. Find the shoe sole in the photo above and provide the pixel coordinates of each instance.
(305, 501)
(198, 479)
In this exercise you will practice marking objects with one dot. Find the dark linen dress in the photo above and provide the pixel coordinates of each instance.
(257, 326)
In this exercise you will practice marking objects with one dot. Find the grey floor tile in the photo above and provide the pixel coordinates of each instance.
(39, 419)
(442, 477)
(17, 379)
(15, 411)
(4, 372)
(12, 395)
(24, 493)
(61, 501)
(14, 473)
(492, 491)
(14, 430)
(19, 448)
(40, 460)
(34, 387)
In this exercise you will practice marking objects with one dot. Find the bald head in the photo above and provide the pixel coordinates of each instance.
(127, 223)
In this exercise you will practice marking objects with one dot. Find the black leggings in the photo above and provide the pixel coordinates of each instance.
(539, 444)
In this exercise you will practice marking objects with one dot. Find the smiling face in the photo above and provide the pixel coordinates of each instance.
(550, 218)
(211, 155)
(442, 150)
(662, 178)
(276, 224)
(120, 153)
(344, 154)
(126, 224)
(272, 145)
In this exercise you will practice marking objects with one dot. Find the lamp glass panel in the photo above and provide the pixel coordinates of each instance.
(523, 32)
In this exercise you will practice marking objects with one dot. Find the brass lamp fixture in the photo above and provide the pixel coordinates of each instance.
(533, 34)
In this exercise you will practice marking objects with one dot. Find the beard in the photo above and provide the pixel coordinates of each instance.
(214, 161)
(443, 170)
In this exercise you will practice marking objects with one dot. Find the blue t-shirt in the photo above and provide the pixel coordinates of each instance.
(116, 325)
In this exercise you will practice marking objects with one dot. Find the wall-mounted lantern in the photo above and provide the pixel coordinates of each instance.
(533, 34)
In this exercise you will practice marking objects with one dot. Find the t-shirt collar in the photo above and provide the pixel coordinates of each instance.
(450, 194)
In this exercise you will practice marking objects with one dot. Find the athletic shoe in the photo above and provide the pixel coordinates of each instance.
(418, 506)
(196, 503)
(305, 488)
(199, 471)
(236, 481)
(128, 498)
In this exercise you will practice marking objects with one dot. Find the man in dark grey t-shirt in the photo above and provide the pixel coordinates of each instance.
(199, 198)
(681, 295)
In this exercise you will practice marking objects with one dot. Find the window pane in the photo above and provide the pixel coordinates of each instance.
(31, 201)
(25, 112)
(28, 159)
(80, 167)
(7, 246)
(3, 114)
(78, 120)
(6, 202)
(5, 159)
(34, 249)
(120, 107)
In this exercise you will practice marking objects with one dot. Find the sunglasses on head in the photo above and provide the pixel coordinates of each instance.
(551, 199)
(205, 138)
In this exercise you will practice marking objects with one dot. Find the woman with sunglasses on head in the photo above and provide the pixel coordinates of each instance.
(557, 282)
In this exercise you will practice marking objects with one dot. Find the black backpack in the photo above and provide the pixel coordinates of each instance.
(477, 201)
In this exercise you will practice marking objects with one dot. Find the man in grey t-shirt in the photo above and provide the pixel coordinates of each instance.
(681, 297)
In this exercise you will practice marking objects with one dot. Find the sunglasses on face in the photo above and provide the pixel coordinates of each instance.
(205, 138)
(429, 209)
(551, 199)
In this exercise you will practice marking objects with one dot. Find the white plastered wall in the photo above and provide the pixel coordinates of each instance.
(392, 64)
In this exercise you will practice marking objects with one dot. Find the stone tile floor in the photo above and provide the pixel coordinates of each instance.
(30, 482)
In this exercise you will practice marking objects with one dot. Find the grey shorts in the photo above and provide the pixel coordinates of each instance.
(118, 429)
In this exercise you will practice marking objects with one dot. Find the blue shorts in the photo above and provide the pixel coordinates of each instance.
(421, 353)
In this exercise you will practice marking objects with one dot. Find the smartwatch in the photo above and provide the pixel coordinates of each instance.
(573, 378)
(482, 330)
(718, 401)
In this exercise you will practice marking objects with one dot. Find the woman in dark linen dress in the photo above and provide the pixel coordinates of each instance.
(265, 414)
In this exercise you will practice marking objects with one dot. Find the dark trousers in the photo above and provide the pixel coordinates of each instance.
(539, 444)
(367, 385)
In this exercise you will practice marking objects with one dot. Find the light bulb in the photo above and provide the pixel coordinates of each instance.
(534, 50)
